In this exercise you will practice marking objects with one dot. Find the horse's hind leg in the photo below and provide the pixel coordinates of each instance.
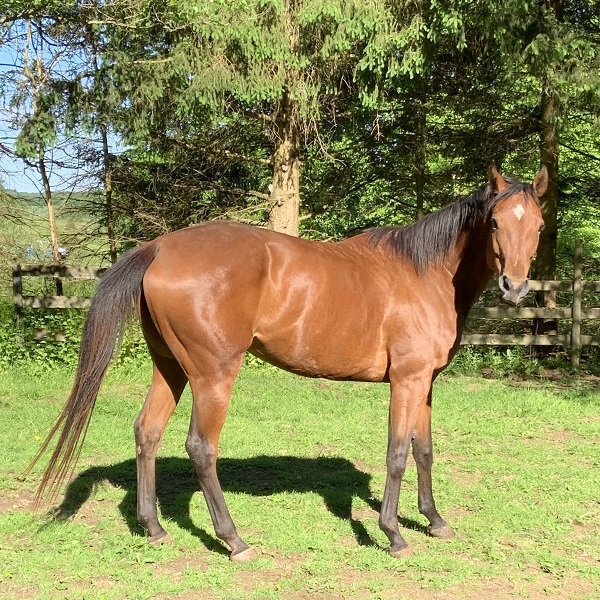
(211, 401)
(168, 382)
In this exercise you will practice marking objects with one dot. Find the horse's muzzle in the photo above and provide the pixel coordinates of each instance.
(510, 293)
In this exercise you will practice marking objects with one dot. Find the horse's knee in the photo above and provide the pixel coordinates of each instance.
(396, 463)
(147, 439)
(423, 457)
(201, 452)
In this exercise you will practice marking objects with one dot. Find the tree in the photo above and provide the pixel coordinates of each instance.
(564, 55)
(382, 112)
(33, 98)
(282, 63)
(59, 99)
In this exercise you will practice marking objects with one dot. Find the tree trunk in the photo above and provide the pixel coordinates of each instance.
(421, 154)
(285, 191)
(56, 258)
(36, 81)
(545, 264)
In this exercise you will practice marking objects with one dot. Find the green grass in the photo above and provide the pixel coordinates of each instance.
(517, 474)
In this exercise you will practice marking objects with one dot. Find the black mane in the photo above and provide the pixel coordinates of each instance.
(430, 239)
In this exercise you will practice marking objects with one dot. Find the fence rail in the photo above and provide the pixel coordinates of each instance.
(55, 271)
(21, 301)
(575, 313)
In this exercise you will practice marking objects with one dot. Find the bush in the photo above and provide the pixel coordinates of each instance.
(473, 360)
(18, 343)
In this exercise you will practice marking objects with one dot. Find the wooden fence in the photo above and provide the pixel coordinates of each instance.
(575, 313)
(21, 301)
(54, 271)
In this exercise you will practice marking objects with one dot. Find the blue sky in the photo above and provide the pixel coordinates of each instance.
(14, 173)
(17, 176)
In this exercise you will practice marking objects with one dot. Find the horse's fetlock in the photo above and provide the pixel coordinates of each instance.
(427, 507)
(227, 533)
(144, 518)
(388, 526)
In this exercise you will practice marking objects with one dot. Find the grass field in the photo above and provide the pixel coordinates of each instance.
(517, 474)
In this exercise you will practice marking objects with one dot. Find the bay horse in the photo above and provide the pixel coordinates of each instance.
(388, 305)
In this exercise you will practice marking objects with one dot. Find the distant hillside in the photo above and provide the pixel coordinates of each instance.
(34, 201)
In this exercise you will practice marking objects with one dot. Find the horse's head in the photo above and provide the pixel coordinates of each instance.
(515, 226)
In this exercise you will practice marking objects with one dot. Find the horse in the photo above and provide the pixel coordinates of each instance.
(387, 305)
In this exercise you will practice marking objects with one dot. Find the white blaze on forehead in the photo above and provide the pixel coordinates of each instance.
(518, 211)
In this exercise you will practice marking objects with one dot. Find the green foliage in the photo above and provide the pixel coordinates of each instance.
(66, 325)
(192, 88)
(208, 185)
(403, 104)
(473, 360)
(50, 339)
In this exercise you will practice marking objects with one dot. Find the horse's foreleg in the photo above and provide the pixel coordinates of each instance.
(168, 382)
(407, 396)
(423, 455)
(211, 400)
(388, 517)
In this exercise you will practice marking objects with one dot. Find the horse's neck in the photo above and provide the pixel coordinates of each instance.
(471, 274)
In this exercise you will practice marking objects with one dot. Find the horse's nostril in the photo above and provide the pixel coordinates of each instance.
(505, 283)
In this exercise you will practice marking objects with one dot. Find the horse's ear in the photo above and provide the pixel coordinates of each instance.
(540, 182)
(497, 182)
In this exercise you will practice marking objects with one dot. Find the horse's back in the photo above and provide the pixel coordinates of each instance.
(221, 255)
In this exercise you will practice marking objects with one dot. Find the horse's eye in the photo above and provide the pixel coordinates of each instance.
(494, 224)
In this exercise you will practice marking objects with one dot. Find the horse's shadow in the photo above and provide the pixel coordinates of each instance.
(336, 480)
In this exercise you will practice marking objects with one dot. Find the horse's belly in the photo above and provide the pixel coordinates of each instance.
(328, 360)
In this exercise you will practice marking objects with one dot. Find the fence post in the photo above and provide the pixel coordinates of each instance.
(18, 302)
(576, 310)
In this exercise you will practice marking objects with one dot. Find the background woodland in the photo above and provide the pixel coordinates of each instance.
(318, 118)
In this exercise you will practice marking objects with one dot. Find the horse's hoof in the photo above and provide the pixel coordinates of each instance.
(243, 555)
(445, 532)
(400, 552)
(160, 539)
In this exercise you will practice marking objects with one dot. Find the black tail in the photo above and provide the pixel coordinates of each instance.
(112, 307)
